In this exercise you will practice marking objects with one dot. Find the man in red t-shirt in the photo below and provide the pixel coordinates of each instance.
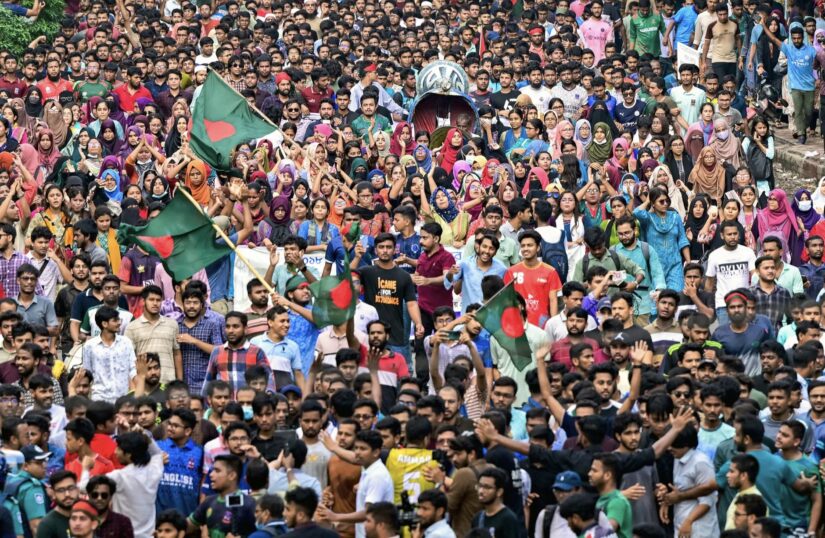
(79, 435)
(537, 282)
(52, 86)
(133, 90)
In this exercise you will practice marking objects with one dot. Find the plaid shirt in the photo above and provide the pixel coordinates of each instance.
(8, 272)
(773, 305)
(230, 365)
(195, 361)
(27, 397)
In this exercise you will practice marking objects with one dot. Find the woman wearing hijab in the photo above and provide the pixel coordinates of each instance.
(695, 221)
(423, 157)
(46, 149)
(818, 196)
(279, 211)
(448, 154)
(473, 199)
(661, 178)
(537, 180)
(402, 141)
(617, 165)
(442, 209)
(803, 208)
(195, 181)
(600, 147)
(566, 132)
(584, 132)
(159, 188)
(108, 138)
(460, 169)
(779, 219)
(678, 160)
(725, 145)
(708, 176)
(599, 113)
(31, 110)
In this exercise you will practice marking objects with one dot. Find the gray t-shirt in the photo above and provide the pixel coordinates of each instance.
(316, 464)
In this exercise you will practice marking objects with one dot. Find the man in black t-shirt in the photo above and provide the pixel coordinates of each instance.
(505, 100)
(495, 515)
(505, 460)
(391, 291)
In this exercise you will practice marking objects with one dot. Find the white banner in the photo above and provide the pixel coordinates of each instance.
(686, 55)
(259, 258)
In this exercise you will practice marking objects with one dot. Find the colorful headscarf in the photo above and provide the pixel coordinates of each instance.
(395, 144)
(450, 212)
(202, 193)
(809, 217)
(458, 167)
(779, 219)
(425, 164)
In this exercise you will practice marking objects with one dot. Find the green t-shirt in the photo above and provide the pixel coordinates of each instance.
(54, 525)
(86, 90)
(797, 506)
(644, 33)
(616, 507)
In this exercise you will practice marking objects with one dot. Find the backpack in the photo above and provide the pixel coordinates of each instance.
(613, 256)
(761, 167)
(277, 529)
(555, 255)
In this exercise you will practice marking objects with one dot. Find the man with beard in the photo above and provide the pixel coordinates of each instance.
(343, 477)
(133, 90)
(79, 268)
(772, 300)
(258, 297)
(369, 121)
(739, 337)
(432, 512)
(645, 257)
(92, 85)
(729, 267)
(101, 490)
(536, 90)
(197, 335)
(572, 94)
(230, 361)
(312, 422)
(495, 516)
(53, 85)
(453, 398)
(665, 329)
(816, 416)
(93, 296)
(56, 523)
(167, 98)
(326, 111)
(576, 322)
(110, 287)
(319, 91)
(504, 100)
(627, 430)
(813, 272)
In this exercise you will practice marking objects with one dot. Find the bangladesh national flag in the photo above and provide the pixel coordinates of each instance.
(502, 318)
(335, 299)
(182, 237)
(221, 120)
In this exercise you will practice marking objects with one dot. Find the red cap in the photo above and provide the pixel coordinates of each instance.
(280, 77)
(370, 68)
(83, 506)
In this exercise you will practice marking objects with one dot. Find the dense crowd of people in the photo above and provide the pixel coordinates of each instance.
(612, 164)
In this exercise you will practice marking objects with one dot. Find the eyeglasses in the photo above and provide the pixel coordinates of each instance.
(243, 439)
(99, 495)
(362, 417)
(293, 109)
(665, 201)
(65, 490)
(680, 394)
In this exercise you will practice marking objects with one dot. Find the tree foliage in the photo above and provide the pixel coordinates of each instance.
(17, 32)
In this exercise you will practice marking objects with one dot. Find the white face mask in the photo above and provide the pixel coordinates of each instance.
(804, 205)
(723, 135)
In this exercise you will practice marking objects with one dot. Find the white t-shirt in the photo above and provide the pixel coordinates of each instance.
(374, 486)
(732, 270)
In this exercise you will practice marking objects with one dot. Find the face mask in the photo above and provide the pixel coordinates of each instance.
(723, 135)
(805, 205)
(247, 412)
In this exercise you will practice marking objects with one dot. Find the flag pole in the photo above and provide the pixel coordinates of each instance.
(272, 123)
(229, 242)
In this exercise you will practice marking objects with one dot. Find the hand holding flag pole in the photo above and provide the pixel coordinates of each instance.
(231, 245)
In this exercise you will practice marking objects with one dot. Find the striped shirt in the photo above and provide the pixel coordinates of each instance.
(159, 337)
(194, 360)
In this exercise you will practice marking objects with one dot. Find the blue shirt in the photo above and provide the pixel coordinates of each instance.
(470, 275)
(800, 66)
(17, 9)
(335, 254)
(409, 247)
(685, 20)
(284, 357)
(180, 483)
(304, 331)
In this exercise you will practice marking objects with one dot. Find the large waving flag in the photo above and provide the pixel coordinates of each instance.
(222, 119)
(502, 318)
(182, 236)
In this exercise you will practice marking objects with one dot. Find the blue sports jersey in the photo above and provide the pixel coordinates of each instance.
(180, 484)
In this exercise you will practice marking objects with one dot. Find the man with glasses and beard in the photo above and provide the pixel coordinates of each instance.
(101, 490)
(56, 523)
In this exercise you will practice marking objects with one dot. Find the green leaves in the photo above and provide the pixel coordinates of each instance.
(17, 32)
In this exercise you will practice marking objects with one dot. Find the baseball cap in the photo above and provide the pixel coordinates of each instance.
(622, 339)
(290, 388)
(296, 282)
(85, 507)
(34, 453)
(567, 481)
(604, 302)
(705, 361)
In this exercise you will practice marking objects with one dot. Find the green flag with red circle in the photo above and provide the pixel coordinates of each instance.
(501, 317)
(221, 120)
(181, 235)
(335, 299)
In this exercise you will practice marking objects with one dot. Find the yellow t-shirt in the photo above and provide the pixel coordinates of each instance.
(405, 465)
